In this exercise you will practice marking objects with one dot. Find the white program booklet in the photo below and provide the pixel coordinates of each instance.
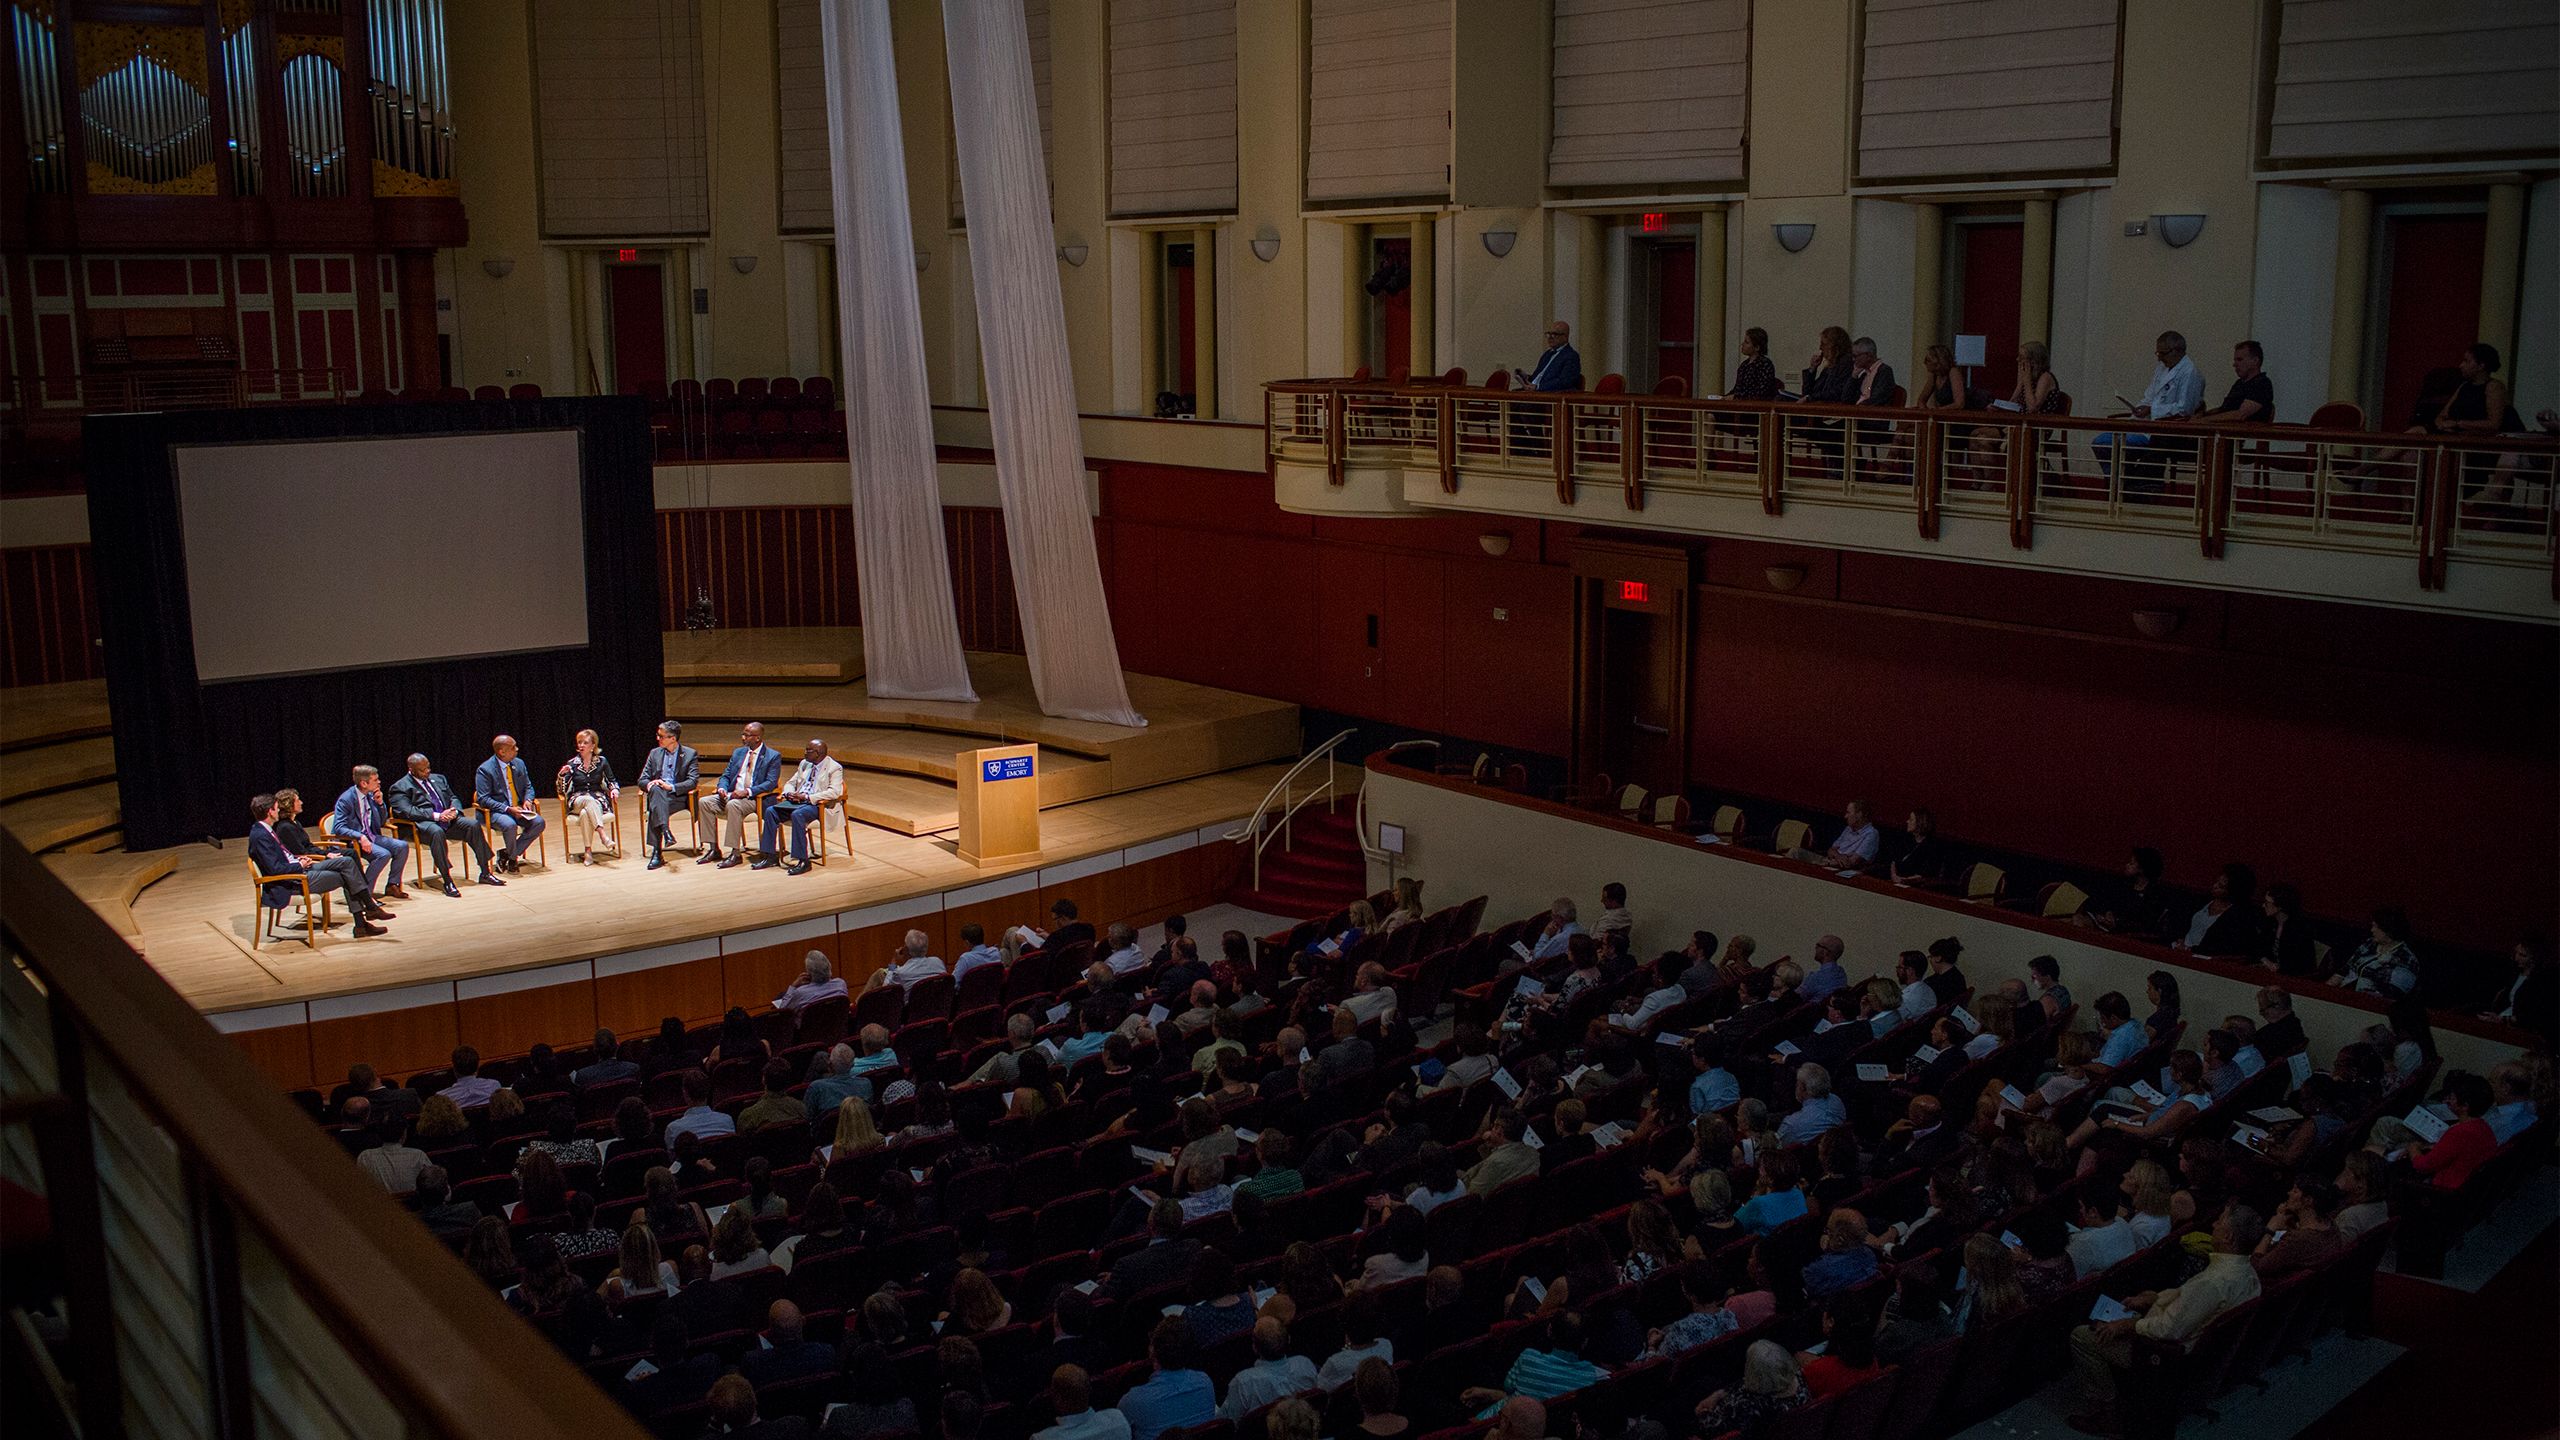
(2429, 1126)
(2107, 1309)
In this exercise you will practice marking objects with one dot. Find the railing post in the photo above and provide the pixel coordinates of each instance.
(2436, 507)
(1773, 458)
(2021, 481)
(1560, 447)
(66, 1142)
(1336, 404)
(2213, 500)
(1631, 452)
(1448, 446)
(1924, 476)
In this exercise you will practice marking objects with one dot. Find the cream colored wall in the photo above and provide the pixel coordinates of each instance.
(2187, 123)
(1462, 846)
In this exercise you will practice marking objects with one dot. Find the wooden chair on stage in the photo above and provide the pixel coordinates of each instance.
(818, 852)
(541, 842)
(264, 917)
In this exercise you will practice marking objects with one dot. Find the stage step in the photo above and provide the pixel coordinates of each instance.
(42, 769)
(50, 822)
(44, 714)
(932, 755)
(109, 883)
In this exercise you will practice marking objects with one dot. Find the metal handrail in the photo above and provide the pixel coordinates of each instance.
(1281, 793)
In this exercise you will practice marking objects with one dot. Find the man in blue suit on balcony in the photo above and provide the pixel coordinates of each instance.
(1560, 368)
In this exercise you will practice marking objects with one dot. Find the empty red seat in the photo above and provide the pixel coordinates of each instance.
(719, 390)
(488, 392)
(525, 391)
(785, 391)
(818, 391)
(752, 390)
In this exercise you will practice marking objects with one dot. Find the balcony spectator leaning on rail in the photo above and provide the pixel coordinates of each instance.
(1559, 368)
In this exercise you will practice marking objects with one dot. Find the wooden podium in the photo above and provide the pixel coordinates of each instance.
(999, 804)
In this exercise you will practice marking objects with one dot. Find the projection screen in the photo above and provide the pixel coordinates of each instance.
(316, 555)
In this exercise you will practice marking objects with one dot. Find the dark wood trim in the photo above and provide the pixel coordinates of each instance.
(441, 1345)
(2157, 955)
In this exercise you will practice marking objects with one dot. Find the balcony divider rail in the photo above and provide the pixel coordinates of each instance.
(226, 1271)
(2432, 498)
(108, 392)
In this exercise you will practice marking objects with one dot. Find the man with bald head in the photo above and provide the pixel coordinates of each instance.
(426, 803)
(815, 784)
(755, 770)
(1559, 368)
(1520, 1418)
(504, 787)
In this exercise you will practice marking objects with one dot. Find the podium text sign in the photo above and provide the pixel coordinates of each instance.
(999, 804)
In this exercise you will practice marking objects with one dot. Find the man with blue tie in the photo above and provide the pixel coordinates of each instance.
(668, 778)
(1559, 368)
(755, 770)
(504, 787)
(422, 800)
(358, 817)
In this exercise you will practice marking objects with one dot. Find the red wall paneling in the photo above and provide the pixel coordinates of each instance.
(48, 616)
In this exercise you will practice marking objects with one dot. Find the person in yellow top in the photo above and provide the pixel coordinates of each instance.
(2104, 1351)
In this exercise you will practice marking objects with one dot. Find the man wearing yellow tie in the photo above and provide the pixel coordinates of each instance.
(505, 787)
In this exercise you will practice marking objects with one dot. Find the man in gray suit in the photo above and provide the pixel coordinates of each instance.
(668, 778)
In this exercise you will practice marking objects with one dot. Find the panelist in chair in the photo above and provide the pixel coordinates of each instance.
(267, 847)
(588, 793)
(358, 817)
(425, 802)
(816, 783)
(504, 787)
(754, 769)
(667, 777)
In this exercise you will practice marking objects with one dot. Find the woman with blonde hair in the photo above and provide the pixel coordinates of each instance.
(440, 1122)
(856, 1132)
(1654, 1244)
(1408, 905)
(588, 792)
(2148, 1191)
(1771, 1386)
(1992, 1291)
(506, 1108)
(976, 1305)
(1939, 389)
(639, 1269)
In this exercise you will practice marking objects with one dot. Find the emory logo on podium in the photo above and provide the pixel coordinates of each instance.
(1012, 767)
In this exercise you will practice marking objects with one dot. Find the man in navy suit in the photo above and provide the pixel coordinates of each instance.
(423, 800)
(668, 778)
(1560, 368)
(505, 787)
(358, 816)
(332, 872)
(755, 770)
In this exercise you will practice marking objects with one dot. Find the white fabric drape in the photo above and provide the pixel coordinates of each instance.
(910, 635)
(1022, 329)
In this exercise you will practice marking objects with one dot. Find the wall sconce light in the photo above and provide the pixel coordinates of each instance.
(1498, 243)
(1793, 235)
(1074, 252)
(1783, 578)
(2158, 624)
(743, 264)
(2179, 230)
(498, 267)
(1495, 542)
(1266, 244)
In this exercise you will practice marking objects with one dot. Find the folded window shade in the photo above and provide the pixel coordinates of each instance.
(2386, 79)
(1173, 107)
(1988, 87)
(1378, 93)
(618, 95)
(1649, 92)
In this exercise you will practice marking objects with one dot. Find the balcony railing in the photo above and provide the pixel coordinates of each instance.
(223, 1269)
(110, 392)
(2430, 498)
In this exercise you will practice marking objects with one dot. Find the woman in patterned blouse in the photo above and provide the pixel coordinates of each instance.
(588, 792)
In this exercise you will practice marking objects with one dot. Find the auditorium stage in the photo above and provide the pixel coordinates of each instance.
(1113, 799)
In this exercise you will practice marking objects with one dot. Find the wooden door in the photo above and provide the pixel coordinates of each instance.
(2430, 266)
(636, 296)
(1990, 256)
(1675, 313)
(1631, 710)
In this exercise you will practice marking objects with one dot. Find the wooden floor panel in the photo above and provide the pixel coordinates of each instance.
(58, 766)
(58, 819)
(794, 655)
(109, 883)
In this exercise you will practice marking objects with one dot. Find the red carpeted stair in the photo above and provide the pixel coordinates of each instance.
(1321, 871)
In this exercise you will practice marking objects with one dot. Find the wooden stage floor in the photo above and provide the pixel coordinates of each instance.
(1204, 760)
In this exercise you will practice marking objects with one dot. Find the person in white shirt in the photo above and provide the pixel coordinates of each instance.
(1615, 917)
(1071, 1400)
(2104, 1237)
(1917, 998)
(1360, 1341)
(2512, 1086)
(1124, 958)
(815, 784)
(910, 965)
(817, 982)
(1275, 1374)
(1854, 849)
(1563, 923)
(1371, 999)
(2176, 391)
(1665, 992)
(979, 952)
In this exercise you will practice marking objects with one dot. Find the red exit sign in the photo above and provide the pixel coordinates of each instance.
(627, 257)
(1654, 221)
(1636, 592)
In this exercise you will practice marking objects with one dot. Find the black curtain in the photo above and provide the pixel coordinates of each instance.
(189, 755)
